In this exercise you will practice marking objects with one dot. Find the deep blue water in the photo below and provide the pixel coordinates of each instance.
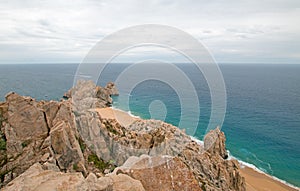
(262, 122)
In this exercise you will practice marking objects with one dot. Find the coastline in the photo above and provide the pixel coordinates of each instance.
(251, 171)
(256, 180)
(259, 181)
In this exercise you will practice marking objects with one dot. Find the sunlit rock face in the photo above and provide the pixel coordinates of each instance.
(68, 145)
(160, 173)
(36, 178)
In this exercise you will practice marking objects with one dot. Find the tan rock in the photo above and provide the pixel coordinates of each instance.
(122, 182)
(112, 89)
(103, 94)
(50, 166)
(211, 168)
(66, 148)
(103, 183)
(51, 108)
(3, 112)
(68, 94)
(161, 173)
(45, 157)
(35, 178)
(53, 131)
(214, 143)
(86, 95)
(25, 123)
(24, 127)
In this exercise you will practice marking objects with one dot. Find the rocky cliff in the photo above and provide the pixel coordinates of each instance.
(67, 145)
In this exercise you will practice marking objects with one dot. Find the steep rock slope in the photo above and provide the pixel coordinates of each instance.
(68, 143)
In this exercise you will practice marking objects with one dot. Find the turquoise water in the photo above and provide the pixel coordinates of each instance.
(262, 122)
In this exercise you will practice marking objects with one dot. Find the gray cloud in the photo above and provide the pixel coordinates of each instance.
(234, 31)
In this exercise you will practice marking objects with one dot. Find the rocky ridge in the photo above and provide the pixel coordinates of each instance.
(66, 145)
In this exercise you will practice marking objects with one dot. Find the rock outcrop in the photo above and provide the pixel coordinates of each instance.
(99, 95)
(66, 145)
(36, 178)
(214, 143)
(160, 173)
(112, 89)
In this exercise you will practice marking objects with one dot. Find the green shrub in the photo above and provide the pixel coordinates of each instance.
(26, 143)
(2, 144)
(82, 145)
(75, 167)
(100, 164)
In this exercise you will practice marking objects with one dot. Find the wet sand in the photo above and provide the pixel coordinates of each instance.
(256, 181)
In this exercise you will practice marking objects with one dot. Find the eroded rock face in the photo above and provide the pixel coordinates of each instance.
(25, 124)
(45, 132)
(68, 139)
(214, 143)
(156, 138)
(161, 173)
(65, 148)
(112, 89)
(212, 171)
(86, 95)
(89, 95)
(36, 178)
(25, 130)
(3, 152)
(110, 140)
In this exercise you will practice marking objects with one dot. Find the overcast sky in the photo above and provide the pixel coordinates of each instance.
(252, 31)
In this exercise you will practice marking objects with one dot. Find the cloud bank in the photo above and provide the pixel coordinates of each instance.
(257, 31)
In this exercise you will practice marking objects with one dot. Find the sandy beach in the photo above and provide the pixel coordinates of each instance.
(121, 116)
(255, 181)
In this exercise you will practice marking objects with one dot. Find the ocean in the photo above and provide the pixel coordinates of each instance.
(262, 121)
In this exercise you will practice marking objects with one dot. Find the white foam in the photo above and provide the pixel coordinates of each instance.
(128, 112)
(252, 166)
(197, 140)
(83, 76)
(244, 164)
(136, 116)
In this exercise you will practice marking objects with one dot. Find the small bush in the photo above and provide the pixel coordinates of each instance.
(25, 143)
(75, 167)
(100, 164)
(82, 145)
(110, 128)
(2, 144)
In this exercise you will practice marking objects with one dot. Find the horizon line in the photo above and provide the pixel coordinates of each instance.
(221, 63)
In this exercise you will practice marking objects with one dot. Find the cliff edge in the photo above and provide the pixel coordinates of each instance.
(68, 145)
